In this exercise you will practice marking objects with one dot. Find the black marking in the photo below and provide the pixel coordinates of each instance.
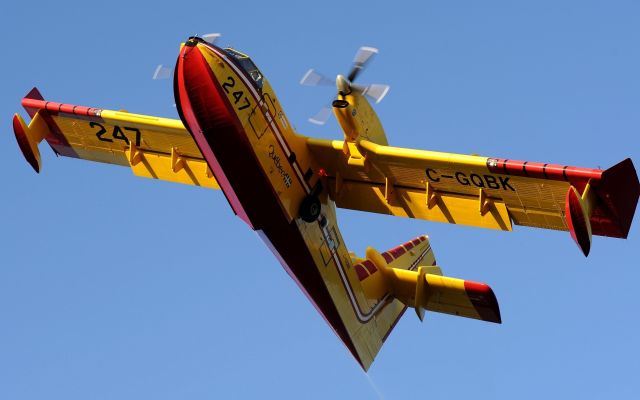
(447, 176)
(504, 166)
(292, 157)
(564, 172)
(544, 171)
(317, 189)
(524, 168)
(307, 175)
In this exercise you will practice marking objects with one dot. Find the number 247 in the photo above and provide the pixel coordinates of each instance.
(117, 133)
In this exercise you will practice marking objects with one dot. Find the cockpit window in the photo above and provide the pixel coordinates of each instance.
(244, 62)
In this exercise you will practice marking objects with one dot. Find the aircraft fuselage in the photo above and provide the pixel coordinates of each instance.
(265, 170)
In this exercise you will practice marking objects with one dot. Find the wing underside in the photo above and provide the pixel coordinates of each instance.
(473, 190)
(152, 147)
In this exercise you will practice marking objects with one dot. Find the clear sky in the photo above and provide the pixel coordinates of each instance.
(117, 287)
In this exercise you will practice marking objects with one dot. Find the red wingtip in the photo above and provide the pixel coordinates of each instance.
(34, 94)
(23, 142)
(484, 301)
(618, 191)
(576, 221)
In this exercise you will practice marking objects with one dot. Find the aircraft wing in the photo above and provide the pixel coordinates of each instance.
(479, 191)
(152, 147)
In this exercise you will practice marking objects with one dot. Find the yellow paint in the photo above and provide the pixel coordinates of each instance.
(361, 172)
(359, 121)
(260, 122)
(423, 289)
(36, 131)
(160, 166)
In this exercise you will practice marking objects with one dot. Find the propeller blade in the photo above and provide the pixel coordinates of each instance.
(322, 116)
(313, 78)
(162, 72)
(211, 37)
(360, 61)
(376, 91)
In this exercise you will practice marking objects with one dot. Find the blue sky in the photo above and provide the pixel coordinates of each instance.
(113, 286)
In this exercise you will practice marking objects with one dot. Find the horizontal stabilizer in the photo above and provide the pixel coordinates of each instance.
(424, 287)
(462, 298)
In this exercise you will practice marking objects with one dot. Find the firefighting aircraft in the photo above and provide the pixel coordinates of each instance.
(233, 135)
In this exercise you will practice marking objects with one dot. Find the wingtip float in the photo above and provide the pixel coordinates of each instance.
(233, 135)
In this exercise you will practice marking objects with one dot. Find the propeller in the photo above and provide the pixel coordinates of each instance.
(345, 84)
(164, 71)
(322, 116)
(360, 61)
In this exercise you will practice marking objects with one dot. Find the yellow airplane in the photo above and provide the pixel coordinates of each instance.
(233, 135)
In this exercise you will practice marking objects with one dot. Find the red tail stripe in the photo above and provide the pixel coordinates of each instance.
(397, 251)
(370, 266)
(362, 273)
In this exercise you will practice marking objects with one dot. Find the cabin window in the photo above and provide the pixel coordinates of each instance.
(245, 63)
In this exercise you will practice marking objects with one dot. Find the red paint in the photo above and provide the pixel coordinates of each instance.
(483, 300)
(196, 80)
(23, 143)
(576, 222)
(370, 266)
(396, 252)
(361, 272)
(33, 103)
(617, 191)
(34, 94)
(206, 112)
(543, 171)
(387, 256)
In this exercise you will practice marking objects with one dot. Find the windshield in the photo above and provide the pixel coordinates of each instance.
(244, 62)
